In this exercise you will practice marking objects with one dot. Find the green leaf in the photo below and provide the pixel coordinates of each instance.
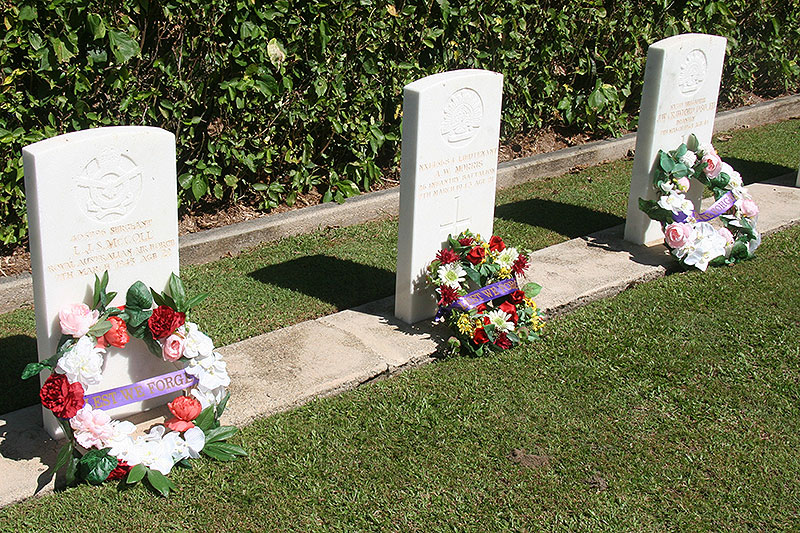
(693, 143)
(96, 465)
(96, 25)
(100, 328)
(28, 13)
(32, 369)
(63, 54)
(122, 46)
(665, 161)
(532, 289)
(136, 317)
(159, 482)
(177, 291)
(220, 434)
(136, 474)
(195, 300)
(654, 211)
(157, 298)
(205, 420)
(223, 451)
(739, 250)
(138, 297)
(473, 275)
(72, 470)
(64, 454)
(681, 151)
(222, 404)
(276, 52)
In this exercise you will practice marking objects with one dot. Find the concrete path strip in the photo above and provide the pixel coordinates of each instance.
(288, 367)
(210, 245)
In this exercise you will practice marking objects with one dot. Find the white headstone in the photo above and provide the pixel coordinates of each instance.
(679, 97)
(101, 199)
(451, 132)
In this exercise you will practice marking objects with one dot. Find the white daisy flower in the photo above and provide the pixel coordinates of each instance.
(501, 320)
(452, 274)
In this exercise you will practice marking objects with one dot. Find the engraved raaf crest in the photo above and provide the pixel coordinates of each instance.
(109, 186)
(693, 72)
(462, 116)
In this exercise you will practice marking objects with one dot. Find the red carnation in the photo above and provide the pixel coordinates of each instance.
(502, 341)
(164, 321)
(496, 244)
(466, 241)
(476, 255)
(511, 309)
(479, 336)
(448, 293)
(120, 471)
(520, 264)
(62, 397)
(516, 297)
(447, 256)
(118, 334)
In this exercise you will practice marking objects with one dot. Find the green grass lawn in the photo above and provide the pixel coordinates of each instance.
(308, 276)
(673, 406)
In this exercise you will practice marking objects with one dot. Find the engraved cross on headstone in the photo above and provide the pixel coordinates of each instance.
(458, 223)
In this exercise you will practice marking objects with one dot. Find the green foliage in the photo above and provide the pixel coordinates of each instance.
(272, 99)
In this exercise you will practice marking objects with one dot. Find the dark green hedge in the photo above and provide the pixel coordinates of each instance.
(272, 98)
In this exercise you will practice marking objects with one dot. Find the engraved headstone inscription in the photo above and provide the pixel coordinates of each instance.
(451, 132)
(679, 97)
(101, 199)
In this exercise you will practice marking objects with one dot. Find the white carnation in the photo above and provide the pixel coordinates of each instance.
(82, 363)
(209, 370)
(197, 342)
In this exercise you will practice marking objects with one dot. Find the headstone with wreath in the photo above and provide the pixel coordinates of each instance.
(101, 200)
(451, 131)
(102, 206)
(679, 98)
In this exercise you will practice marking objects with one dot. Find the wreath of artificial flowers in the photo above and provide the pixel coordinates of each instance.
(478, 296)
(689, 235)
(112, 453)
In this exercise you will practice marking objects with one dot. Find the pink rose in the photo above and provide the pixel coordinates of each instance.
(749, 208)
(683, 184)
(677, 234)
(92, 427)
(713, 165)
(172, 350)
(726, 234)
(76, 319)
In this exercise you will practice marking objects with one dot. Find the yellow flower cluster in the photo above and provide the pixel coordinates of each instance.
(504, 273)
(465, 325)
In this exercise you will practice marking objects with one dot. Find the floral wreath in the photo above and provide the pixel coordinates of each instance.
(112, 453)
(688, 234)
(498, 314)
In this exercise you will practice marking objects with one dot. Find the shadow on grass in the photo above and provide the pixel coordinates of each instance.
(757, 171)
(565, 219)
(17, 351)
(339, 282)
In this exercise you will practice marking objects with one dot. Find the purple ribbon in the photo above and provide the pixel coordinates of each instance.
(497, 289)
(719, 207)
(141, 390)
